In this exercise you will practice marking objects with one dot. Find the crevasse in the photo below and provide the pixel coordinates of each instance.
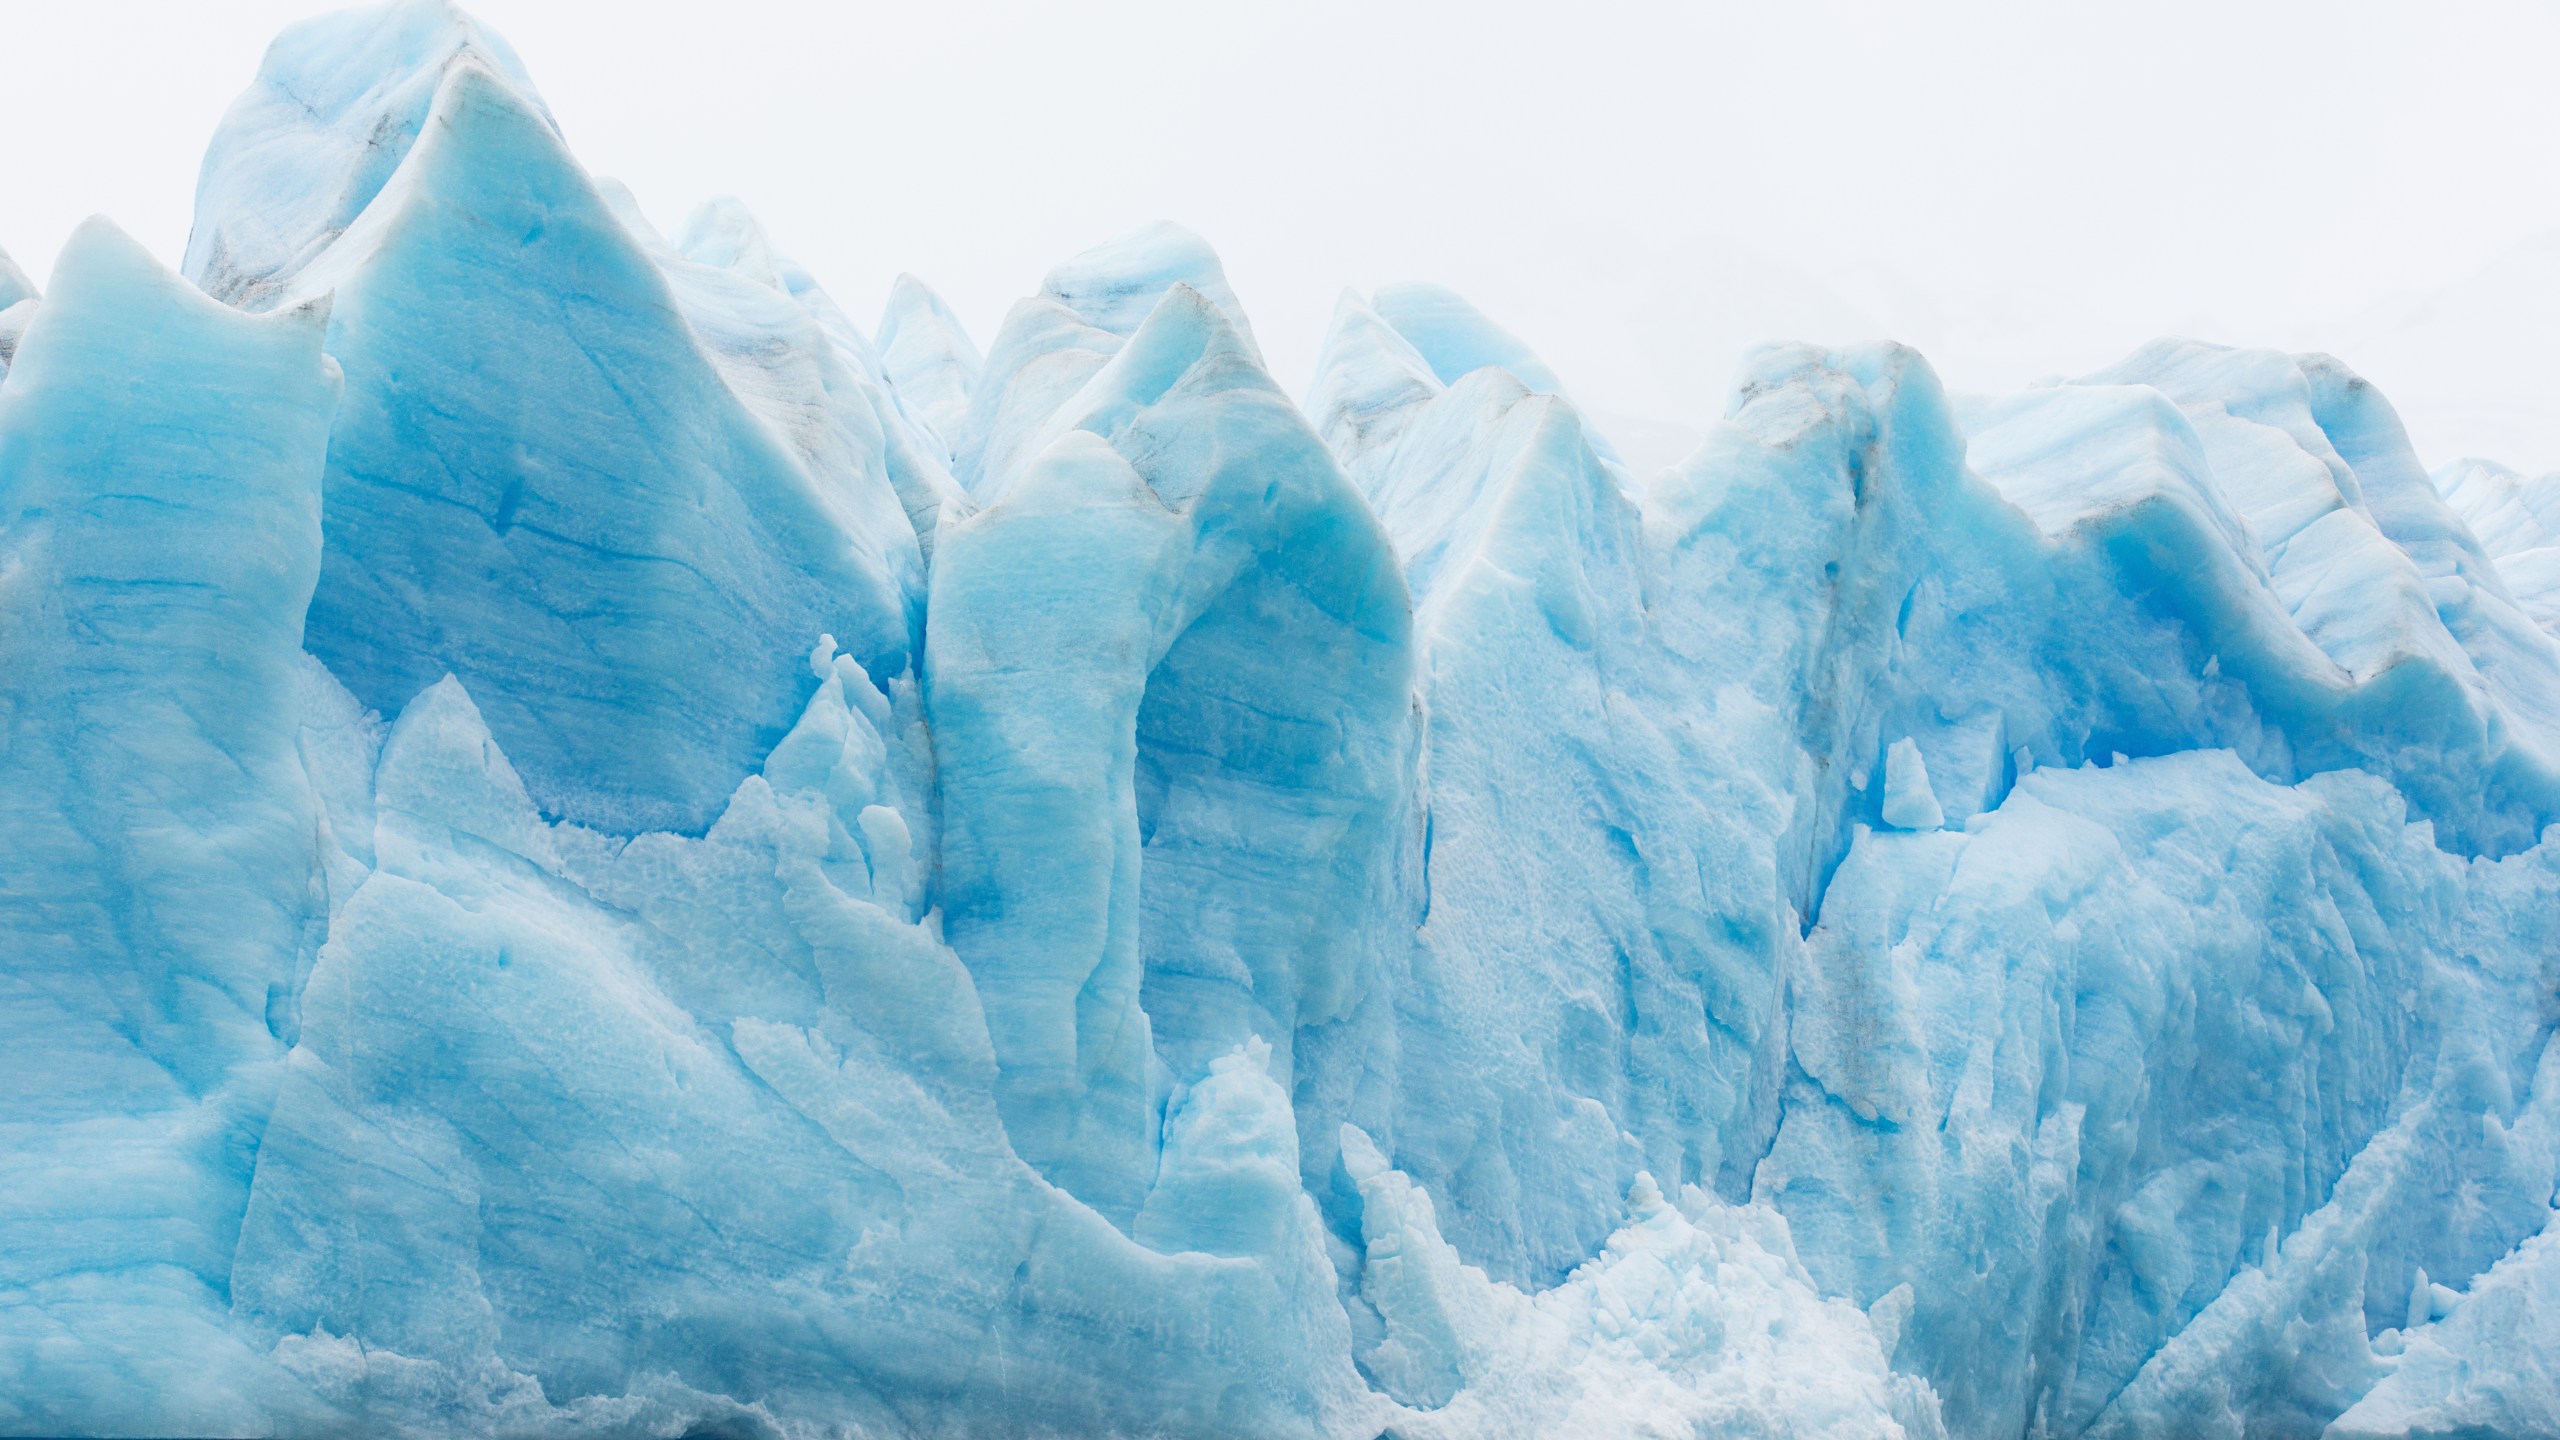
(588, 849)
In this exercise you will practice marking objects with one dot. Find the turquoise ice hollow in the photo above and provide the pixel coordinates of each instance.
(589, 848)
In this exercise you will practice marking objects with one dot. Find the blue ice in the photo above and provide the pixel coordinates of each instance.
(589, 848)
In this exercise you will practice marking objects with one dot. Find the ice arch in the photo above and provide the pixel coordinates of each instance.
(1176, 649)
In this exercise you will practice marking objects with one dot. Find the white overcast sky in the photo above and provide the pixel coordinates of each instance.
(1639, 190)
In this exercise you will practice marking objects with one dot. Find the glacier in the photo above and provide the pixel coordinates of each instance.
(590, 848)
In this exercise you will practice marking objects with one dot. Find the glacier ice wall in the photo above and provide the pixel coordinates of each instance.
(588, 848)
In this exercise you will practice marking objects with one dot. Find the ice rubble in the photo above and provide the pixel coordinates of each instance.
(591, 850)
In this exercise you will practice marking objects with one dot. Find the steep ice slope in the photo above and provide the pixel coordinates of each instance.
(592, 1137)
(17, 310)
(14, 284)
(335, 108)
(1107, 704)
(2483, 1369)
(167, 871)
(652, 863)
(541, 478)
(929, 359)
(1529, 1087)
(1829, 583)
(2518, 522)
(793, 356)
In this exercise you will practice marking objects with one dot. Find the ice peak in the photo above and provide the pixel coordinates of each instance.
(928, 358)
(14, 284)
(557, 874)
(337, 104)
(915, 311)
(1185, 330)
(722, 233)
(1369, 380)
(2517, 520)
(1116, 284)
(1456, 338)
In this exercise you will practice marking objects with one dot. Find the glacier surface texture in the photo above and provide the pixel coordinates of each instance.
(590, 847)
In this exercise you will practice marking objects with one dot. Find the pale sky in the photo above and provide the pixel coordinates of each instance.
(1638, 189)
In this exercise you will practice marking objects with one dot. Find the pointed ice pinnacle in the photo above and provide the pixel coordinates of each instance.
(1248, 938)
(609, 548)
(1052, 343)
(1458, 339)
(1909, 804)
(1370, 382)
(14, 284)
(1116, 285)
(928, 358)
(17, 308)
(1177, 506)
(338, 102)
(163, 860)
(2518, 522)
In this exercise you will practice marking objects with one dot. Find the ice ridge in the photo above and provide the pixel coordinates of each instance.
(587, 848)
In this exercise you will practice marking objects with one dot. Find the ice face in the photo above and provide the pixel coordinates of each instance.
(14, 284)
(337, 104)
(168, 871)
(17, 309)
(929, 359)
(552, 475)
(1106, 704)
(2517, 521)
(586, 848)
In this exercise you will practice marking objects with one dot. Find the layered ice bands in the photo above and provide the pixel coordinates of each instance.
(587, 848)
